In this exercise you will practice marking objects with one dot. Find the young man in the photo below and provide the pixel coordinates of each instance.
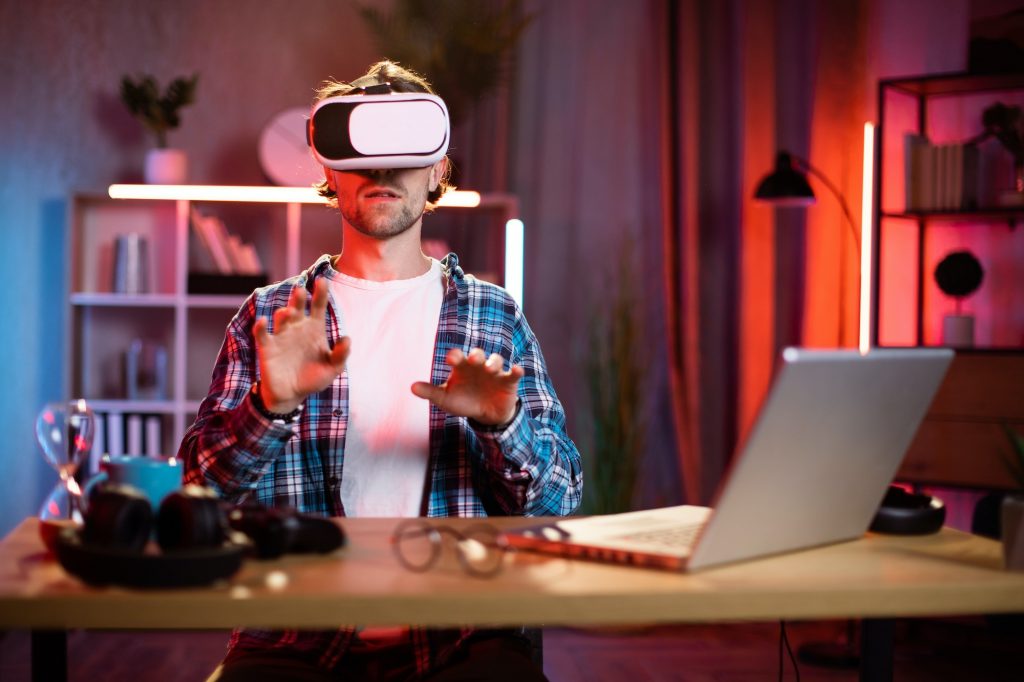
(406, 389)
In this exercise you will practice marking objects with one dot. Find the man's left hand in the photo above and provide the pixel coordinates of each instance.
(477, 388)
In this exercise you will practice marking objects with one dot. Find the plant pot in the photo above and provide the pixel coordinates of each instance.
(958, 331)
(166, 167)
(1013, 532)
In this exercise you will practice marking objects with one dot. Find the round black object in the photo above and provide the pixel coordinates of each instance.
(190, 518)
(903, 513)
(112, 566)
(118, 516)
(959, 274)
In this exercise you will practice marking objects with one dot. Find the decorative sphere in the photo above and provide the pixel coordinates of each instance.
(959, 274)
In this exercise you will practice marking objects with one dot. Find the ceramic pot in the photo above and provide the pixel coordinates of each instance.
(166, 167)
(1013, 532)
(958, 331)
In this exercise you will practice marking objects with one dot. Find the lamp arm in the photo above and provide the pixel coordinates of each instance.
(837, 194)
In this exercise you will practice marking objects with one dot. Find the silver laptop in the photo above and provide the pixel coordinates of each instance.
(828, 440)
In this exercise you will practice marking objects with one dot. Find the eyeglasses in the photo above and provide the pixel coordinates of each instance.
(418, 544)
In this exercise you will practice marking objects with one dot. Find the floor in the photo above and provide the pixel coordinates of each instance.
(943, 649)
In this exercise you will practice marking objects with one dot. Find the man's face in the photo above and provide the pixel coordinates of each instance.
(384, 203)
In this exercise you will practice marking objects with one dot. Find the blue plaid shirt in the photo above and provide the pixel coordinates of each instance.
(528, 468)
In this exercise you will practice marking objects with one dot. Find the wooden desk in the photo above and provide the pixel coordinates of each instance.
(877, 577)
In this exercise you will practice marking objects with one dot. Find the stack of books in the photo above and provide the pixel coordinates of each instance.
(940, 177)
(232, 266)
(124, 433)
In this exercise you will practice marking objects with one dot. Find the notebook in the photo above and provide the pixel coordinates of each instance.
(828, 440)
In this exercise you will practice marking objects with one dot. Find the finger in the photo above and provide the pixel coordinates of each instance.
(494, 363)
(318, 308)
(435, 394)
(476, 356)
(297, 301)
(339, 354)
(259, 331)
(454, 357)
(514, 374)
(282, 316)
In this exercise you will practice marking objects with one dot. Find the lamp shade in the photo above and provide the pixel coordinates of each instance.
(785, 185)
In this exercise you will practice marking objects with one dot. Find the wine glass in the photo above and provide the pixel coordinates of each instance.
(65, 432)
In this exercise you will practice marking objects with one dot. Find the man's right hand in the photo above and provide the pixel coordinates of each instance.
(295, 360)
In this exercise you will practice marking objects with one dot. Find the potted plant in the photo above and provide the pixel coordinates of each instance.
(160, 113)
(1012, 521)
(959, 275)
(616, 377)
(1004, 123)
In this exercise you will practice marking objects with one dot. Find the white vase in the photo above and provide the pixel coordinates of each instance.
(958, 331)
(1013, 532)
(166, 167)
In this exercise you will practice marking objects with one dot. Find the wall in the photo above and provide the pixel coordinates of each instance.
(63, 130)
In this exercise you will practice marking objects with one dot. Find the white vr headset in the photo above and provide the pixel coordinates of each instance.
(378, 131)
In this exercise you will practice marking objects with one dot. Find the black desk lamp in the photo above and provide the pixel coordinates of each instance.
(787, 186)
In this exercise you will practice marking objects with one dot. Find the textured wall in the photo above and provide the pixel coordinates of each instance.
(63, 129)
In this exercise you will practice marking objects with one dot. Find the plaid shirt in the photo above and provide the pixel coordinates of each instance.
(529, 468)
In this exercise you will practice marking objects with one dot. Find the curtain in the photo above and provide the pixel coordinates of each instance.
(648, 125)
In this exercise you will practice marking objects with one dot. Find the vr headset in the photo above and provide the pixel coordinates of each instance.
(378, 129)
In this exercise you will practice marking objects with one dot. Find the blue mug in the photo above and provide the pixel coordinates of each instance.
(154, 477)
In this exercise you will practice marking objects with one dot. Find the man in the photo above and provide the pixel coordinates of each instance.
(328, 411)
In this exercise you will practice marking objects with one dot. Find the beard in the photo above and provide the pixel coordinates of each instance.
(380, 222)
(383, 221)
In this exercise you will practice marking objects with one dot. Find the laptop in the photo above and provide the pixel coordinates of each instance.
(828, 441)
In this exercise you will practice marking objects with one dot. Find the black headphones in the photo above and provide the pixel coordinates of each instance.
(200, 537)
(903, 513)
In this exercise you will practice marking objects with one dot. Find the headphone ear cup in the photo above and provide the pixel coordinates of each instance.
(903, 513)
(119, 516)
(190, 518)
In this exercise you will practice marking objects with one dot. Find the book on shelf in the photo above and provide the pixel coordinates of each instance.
(213, 236)
(99, 441)
(154, 438)
(125, 433)
(939, 177)
(228, 253)
(115, 434)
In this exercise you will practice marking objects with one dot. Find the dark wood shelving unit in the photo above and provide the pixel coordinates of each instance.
(961, 441)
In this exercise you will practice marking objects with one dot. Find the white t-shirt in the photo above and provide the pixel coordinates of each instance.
(393, 326)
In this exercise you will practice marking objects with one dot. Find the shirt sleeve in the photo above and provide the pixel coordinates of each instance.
(534, 466)
(231, 445)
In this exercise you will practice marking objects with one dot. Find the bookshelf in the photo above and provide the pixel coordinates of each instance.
(289, 230)
(908, 307)
(960, 441)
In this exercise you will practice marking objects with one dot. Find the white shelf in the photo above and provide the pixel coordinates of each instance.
(134, 406)
(124, 300)
(229, 301)
(157, 300)
(102, 324)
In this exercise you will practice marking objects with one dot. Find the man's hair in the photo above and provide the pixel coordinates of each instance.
(401, 80)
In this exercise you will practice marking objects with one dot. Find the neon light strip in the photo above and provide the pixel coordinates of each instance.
(514, 249)
(866, 236)
(249, 193)
(459, 199)
(256, 194)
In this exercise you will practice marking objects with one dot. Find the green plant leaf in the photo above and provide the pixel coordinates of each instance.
(464, 47)
(157, 113)
(1015, 461)
(616, 376)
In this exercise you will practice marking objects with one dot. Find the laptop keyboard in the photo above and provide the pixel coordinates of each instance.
(675, 537)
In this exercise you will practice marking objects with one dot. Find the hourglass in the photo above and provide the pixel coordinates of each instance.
(65, 432)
